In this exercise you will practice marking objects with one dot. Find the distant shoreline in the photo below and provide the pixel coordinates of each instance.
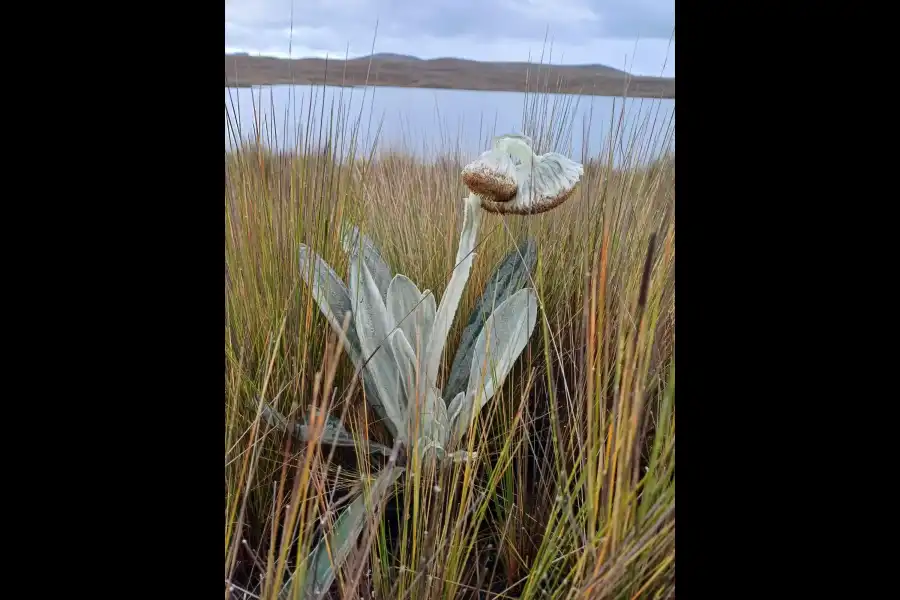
(243, 71)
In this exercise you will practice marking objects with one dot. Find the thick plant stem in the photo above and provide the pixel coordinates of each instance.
(450, 301)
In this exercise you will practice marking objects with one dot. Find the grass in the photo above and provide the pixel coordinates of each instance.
(572, 493)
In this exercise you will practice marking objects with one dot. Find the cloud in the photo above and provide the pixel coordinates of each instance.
(619, 33)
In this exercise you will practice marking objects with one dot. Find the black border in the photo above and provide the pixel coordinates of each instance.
(141, 484)
(743, 207)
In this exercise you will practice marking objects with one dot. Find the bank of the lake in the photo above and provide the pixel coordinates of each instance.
(445, 73)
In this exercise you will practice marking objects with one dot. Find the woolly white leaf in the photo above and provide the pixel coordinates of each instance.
(436, 424)
(406, 310)
(353, 241)
(273, 417)
(508, 278)
(505, 335)
(331, 296)
(428, 310)
(333, 431)
(371, 325)
(423, 402)
(456, 405)
(333, 299)
(406, 364)
(499, 344)
(459, 413)
(332, 551)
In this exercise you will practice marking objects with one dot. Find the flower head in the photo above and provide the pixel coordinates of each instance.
(511, 178)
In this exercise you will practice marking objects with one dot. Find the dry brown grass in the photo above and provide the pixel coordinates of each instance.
(573, 491)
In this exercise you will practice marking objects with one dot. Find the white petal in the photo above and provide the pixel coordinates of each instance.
(542, 186)
(519, 146)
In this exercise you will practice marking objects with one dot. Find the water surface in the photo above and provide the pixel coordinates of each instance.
(428, 122)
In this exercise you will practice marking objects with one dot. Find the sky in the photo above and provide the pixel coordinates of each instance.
(633, 35)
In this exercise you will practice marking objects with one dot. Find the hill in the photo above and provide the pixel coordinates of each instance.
(397, 70)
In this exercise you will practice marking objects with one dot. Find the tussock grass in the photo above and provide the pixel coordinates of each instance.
(572, 493)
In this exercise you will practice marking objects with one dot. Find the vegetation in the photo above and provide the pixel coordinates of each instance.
(442, 73)
(568, 490)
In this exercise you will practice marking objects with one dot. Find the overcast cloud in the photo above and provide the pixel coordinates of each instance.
(636, 35)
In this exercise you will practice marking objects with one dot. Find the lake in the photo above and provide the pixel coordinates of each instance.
(427, 122)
